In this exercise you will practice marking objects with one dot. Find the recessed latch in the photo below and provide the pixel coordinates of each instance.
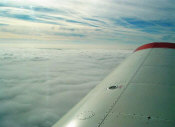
(115, 87)
(112, 87)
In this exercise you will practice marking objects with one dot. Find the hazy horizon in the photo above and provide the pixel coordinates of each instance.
(53, 52)
(91, 22)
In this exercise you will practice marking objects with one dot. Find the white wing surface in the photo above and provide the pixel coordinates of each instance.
(138, 93)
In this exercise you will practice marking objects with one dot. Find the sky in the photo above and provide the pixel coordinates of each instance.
(41, 82)
(86, 22)
(38, 86)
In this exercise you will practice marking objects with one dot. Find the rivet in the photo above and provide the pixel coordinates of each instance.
(149, 117)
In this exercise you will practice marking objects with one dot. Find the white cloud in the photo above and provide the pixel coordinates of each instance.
(95, 20)
(38, 86)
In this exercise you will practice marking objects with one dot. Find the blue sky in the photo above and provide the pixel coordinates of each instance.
(87, 21)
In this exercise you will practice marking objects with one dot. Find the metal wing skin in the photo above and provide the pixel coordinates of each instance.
(138, 93)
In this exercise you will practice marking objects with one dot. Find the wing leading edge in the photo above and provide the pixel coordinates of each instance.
(139, 92)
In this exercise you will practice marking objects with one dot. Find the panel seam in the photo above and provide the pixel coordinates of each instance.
(115, 102)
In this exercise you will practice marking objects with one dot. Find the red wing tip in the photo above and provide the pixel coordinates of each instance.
(156, 45)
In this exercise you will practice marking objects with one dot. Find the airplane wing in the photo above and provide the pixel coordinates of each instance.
(138, 93)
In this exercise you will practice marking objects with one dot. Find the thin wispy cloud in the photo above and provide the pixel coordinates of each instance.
(109, 21)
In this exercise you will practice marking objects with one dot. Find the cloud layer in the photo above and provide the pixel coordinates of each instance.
(97, 21)
(38, 86)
